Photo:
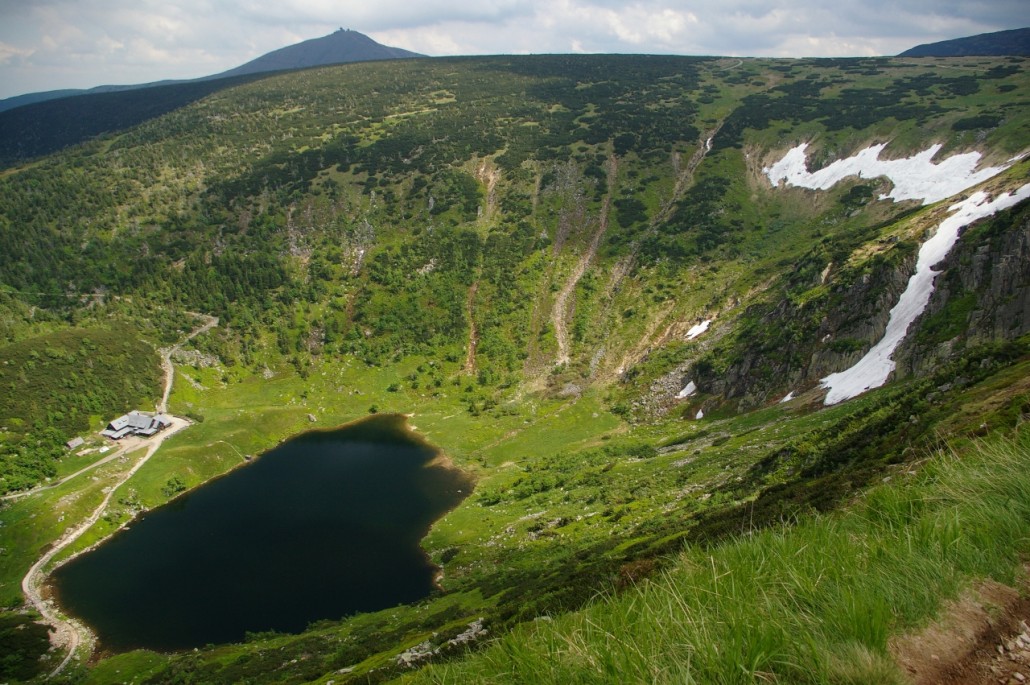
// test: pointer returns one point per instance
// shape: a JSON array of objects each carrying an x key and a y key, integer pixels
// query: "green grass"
[
  {"x": 568, "y": 497},
  {"x": 76, "y": 460},
  {"x": 127, "y": 669},
  {"x": 812, "y": 603}
]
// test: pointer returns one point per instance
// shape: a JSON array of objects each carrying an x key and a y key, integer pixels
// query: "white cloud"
[
  {"x": 109, "y": 45},
  {"x": 430, "y": 41},
  {"x": 10, "y": 53}
]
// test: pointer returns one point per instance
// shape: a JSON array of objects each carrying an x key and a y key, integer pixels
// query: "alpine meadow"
[{"x": 728, "y": 358}]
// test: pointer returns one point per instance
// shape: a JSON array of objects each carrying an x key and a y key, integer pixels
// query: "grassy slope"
[
  {"x": 30, "y": 525},
  {"x": 814, "y": 603}
]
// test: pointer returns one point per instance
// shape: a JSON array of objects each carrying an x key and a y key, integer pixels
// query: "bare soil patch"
[{"x": 982, "y": 637}]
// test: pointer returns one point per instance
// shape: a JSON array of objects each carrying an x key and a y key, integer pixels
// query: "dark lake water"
[{"x": 325, "y": 525}]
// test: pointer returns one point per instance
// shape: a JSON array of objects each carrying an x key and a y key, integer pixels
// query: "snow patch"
[
  {"x": 698, "y": 329},
  {"x": 700, "y": 414},
  {"x": 914, "y": 178},
  {"x": 788, "y": 397},
  {"x": 873, "y": 369},
  {"x": 688, "y": 390}
]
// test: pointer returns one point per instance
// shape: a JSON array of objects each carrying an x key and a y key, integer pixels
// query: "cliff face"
[
  {"x": 788, "y": 345},
  {"x": 982, "y": 294}
]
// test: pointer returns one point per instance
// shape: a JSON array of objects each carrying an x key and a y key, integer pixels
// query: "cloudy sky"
[{"x": 50, "y": 44}]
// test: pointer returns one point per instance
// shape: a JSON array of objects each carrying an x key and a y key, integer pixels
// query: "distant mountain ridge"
[
  {"x": 341, "y": 46},
  {"x": 1015, "y": 42}
]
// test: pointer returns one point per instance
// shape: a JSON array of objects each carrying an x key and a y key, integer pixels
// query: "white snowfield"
[
  {"x": 698, "y": 329},
  {"x": 914, "y": 178},
  {"x": 688, "y": 390},
  {"x": 873, "y": 369}
]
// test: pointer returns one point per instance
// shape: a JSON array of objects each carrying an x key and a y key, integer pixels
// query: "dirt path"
[
  {"x": 166, "y": 357},
  {"x": 981, "y": 637},
  {"x": 560, "y": 311},
  {"x": 70, "y": 634},
  {"x": 488, "y": 174},
  {"x": 129, "y": 444}
]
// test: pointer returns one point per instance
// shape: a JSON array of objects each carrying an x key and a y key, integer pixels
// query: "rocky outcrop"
[
  {"x": 982, "y": 294},
  {"x": 794, "y": 342}
]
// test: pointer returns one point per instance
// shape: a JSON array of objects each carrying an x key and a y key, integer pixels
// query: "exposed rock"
[
  {"x": 989, "y": 269},
  {"x": 474, "y": 631},
  {"x": 424, "y": 651},
  {"x": 417, "y": 654},
  {"x": 570, "y": 390},
  {"x": 826, "y": 335},
  {"x": 992, "y": 264},
  {"x": 194, "y": 358}
]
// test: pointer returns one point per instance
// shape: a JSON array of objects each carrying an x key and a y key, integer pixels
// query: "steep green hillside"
[
  {"x": 575, "y": 274},
  {"x": 817, "y": 603}
]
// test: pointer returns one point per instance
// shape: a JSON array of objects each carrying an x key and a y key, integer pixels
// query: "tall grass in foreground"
[{"x": 812, "y": 603}]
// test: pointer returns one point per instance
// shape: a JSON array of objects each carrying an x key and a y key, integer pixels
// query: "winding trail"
[
  {"x": 127, "y": 445},
  {"x": 69, "y": 634},
  {"x": 166, "y": 357},
  {"x": 560, "y": 313}
]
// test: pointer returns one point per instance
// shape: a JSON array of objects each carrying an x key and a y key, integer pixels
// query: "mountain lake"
[{"x": 325, "y": 525}]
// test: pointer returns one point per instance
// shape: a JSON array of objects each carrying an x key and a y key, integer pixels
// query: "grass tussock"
[{"x": 816, "y": 602}]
